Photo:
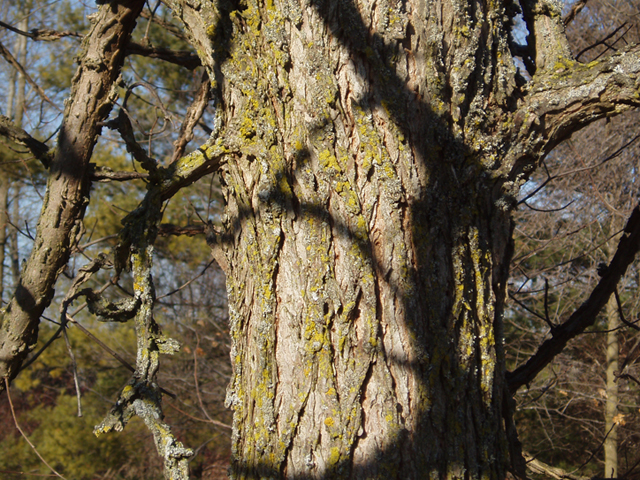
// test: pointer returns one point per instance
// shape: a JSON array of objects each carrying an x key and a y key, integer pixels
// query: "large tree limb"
[
  {"x": 91, "y": 100},
  {"x": 564, "y": 100},
  {"x": 585, "y": 316},
  {"x": 575, "y": 94}
]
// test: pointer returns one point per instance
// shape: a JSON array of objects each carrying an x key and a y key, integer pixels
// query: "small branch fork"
[
  {"x": 134, "y": 252},
  {"x": 142, "y": 395}
]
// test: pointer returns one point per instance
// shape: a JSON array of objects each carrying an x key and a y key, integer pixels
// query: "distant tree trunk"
[
  {"x": 4, "y": 197},
  {"x": 612, "y": 356},
  {"x": 15, "y": 110},
  {"x": 611, "y": 404},
  {"x": 14, "y": 245},
  {"x": 18, "y": 120}
]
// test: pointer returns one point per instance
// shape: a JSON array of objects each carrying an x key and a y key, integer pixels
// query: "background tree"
[{"x": 197, "y": 412}]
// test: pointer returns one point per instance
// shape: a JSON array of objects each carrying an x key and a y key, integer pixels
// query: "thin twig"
[
  {"x": 10, "y": 58},
  {"x": 35, "y": 356},
  {"x": 621, "y": 313},
  {"x": 597, "y": 449},
  {"x": 101, "y": 344},
  {"x": 552, "y": 327},
  {"x": 189, "y": 282},
  {"x": 585, "y": 50},
  {"x": 215, "y": 422},
  {"x": 195, "y": 377},
  {"x": 111, "y": 352},
  {"x": 74, "y": 368},
  {"x": 15, "y": 420}
]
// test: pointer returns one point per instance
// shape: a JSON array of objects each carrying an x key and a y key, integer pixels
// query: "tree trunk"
[
  {"x": 612, "y": 355},
  {"x": 376, "y": 149},
  {"x": 368, "y": 239}
]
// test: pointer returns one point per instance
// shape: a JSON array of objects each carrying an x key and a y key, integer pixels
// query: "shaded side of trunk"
[{"x": 368, "y": 237}]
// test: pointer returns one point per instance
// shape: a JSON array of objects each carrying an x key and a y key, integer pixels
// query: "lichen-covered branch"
[
  {"x": 547, "y": 41},
  {"x": 134, "y": 252},
  {"x": 142, "y": 395},
  {"x": 563, "y": 100}
]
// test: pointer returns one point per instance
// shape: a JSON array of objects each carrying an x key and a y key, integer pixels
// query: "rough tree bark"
[
  {"x": 368, "y": 222},
  {"x": 370, "y": 154}
]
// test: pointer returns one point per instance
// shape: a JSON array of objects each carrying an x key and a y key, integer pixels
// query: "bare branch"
[
  {"x": 168, "y": 26},
  {"x": 106, "y": 174},
  {"x": 19, "y": 136},
  {"x": 183, "y": 58},
  {"x": 575, "y": 10},
  {"x": 603, "y": 41},
  {"x": 541, "y": 468},
  {"x": 194, "y": 114},
  {"x": 166, "y": 229},
  {"x": 11, "y": 59},
  {"x": 586, "y": 315},
  {"x": 133, "y": 147},
  {"x": 42, "y": 34}
]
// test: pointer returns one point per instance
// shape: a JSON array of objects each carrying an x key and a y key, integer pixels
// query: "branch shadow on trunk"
[{"x": 449, "y": 301}]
